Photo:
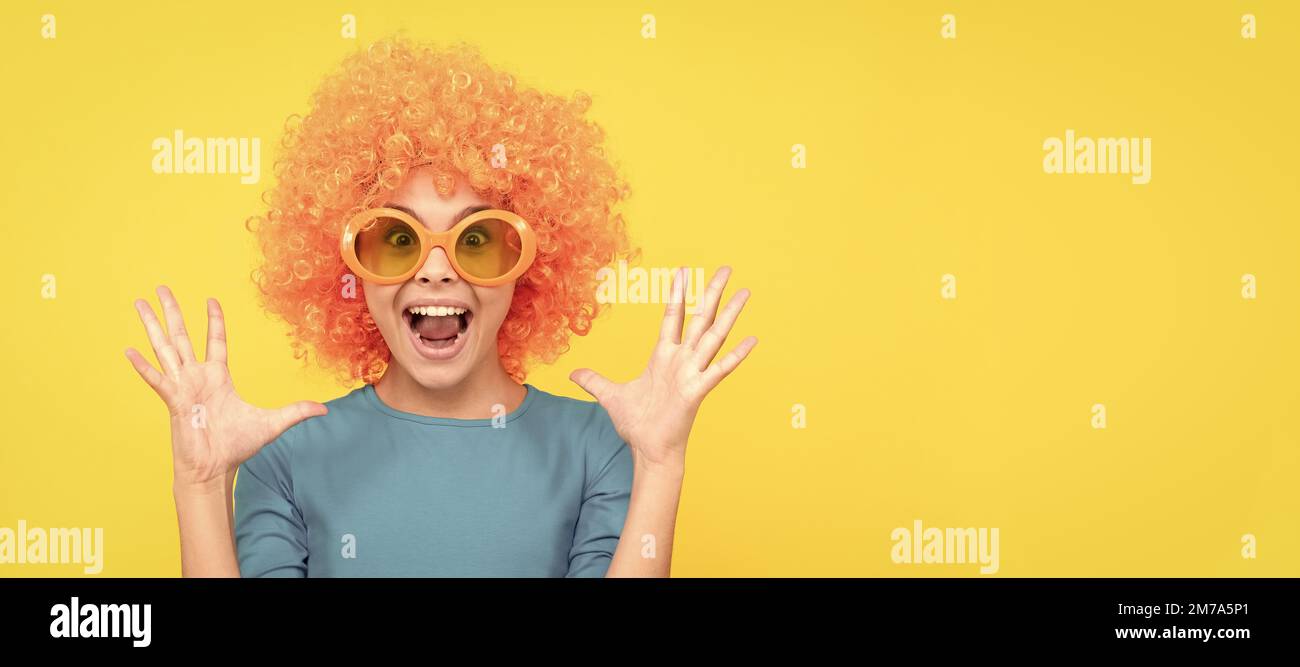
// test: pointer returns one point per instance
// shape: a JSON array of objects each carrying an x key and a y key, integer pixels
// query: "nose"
[{"x": 437, "y": 269}]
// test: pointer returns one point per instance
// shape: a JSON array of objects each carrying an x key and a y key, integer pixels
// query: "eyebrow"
[{"x": 469, "y": 210}]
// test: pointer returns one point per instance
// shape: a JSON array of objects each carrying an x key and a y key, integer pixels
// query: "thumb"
[
  {"x": 280, "y": 420},
  {"x": 593, "y": 383}
]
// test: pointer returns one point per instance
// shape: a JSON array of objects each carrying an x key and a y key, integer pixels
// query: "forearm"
[
  {"x": 206, "y": 528},
  {"x": 645, "y": 548}
]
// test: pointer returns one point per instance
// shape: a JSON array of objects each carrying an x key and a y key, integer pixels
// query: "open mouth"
[{"x": 438, "y": 331}]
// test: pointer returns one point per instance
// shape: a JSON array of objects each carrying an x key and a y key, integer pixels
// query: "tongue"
[{"x": 435, "y": 328}]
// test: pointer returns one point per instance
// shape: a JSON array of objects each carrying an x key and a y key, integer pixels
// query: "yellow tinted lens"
[
  {"x": 488, "y": 248},
  {"x": 388, "y": 247}
]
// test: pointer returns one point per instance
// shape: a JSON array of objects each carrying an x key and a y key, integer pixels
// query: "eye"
[
  {"x": 399, "y": 238},
  {"x": 475, "y": 237}
]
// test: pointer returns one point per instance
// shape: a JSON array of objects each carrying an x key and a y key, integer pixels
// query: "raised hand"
[
  {"x": 655, "y": 411},
  {"x": 213, "y": 429}
]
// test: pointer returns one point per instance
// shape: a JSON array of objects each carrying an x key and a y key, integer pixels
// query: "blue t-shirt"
[{"x": 369, "y": 491}]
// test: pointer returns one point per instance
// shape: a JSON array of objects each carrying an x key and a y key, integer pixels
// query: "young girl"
[{"x": 434, "y": 230}]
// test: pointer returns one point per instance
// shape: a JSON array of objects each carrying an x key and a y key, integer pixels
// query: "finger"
[
  {"x": 713, "y": 339},
  {"x": 703, "y": 318},
  {"x": 279, "y": 421},
  {"x": 162, "y": 349},
  {"x": 723, "y": 367},
  {"x": 592, "y": 382},
  {"x": 675, "y": 311},
  {"x": 216, "y": 332},
  {"x": 146, "y": 370},
  {"x": 176, "y": 325}
]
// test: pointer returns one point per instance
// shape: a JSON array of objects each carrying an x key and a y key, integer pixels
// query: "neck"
[{"x": 472, "y": 398}]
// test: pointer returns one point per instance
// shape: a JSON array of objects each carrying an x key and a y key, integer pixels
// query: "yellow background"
[{"x": 924, "y": 158}]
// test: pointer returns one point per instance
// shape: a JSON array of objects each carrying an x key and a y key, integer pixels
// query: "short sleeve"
[
  {"x": 604, "y": 503},
  {"x": 270, "y": 533}
]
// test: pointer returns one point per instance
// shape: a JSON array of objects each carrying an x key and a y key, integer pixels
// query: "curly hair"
[{"x": 398, "y": 106}]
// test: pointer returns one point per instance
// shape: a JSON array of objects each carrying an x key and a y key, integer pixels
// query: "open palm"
[
  {"x": 213, "y": 429},
  {"x": 654, "y": 412}
]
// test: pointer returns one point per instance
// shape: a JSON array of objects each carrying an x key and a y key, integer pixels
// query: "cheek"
[
  {"x": 380, "y": 300},
  {"x": 494, "y": 302}
]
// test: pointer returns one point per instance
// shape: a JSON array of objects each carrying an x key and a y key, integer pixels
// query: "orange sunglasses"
[{"x": 487, "y": 248}]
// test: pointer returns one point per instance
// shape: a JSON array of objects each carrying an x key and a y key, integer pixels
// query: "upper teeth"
[{"x": 436, "y": 311}]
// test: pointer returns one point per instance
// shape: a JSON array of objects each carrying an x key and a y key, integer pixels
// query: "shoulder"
[
  {"x": 586, "y": 419},
  {"x": 586, "y": 424},
  {"x": 347, "y": 413},
  {"x": 273, "y": 464},
  {"x": 556, "y": 405}
]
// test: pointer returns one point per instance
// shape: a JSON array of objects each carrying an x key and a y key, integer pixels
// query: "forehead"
[{"x": 438, "y": 213}]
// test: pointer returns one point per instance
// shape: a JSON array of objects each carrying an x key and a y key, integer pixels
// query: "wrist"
[
  {"x": 671, "y": 467},
  {"x": 186, "y": 487}
]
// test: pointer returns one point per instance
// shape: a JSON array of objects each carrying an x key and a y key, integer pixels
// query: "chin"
[
  {"x": 439, "y": 373},
  {"x": 439, "y": 379}
]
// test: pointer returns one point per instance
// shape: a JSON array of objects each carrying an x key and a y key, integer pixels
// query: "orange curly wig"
[{"x": 398, "y": 106}]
